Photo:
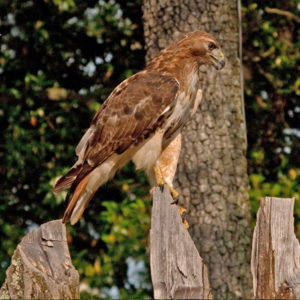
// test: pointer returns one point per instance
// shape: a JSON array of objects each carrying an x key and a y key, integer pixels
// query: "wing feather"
[{"x": 81, "y": 145}]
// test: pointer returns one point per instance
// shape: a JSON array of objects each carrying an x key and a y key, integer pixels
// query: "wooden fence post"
[
  {"x": 41, "y": 266},
  {"x": 177, "y": 270},
  {"x": 275, "y": 262}
]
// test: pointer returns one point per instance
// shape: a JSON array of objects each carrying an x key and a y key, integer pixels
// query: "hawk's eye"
[{"x": 212, "y": 46}]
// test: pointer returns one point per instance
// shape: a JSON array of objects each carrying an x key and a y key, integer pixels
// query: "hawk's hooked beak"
[{"x": 218, "y": 60}]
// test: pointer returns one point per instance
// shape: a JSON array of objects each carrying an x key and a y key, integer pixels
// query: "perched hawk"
[{"x": 139, "y": 119}]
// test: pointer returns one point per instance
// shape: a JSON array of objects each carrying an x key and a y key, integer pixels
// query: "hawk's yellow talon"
[
  {"x": 182, "y": 212},
  {"x": 173, "y": 192}
]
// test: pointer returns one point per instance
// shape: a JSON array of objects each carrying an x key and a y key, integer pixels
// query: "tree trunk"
[{"x": 212, "y": 173}]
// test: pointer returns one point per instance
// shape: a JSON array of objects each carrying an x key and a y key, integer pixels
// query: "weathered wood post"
[
  {"x": 177, "y": 270},
  {"x": 41, "y": 266},
  {"x": 275, "y": 262}
]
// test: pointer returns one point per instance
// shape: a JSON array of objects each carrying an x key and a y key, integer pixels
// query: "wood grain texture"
[
  {"x": 275, "y": 262},
  {"x": 177, "y": 270},
  {"x": 41, "y": 266}
]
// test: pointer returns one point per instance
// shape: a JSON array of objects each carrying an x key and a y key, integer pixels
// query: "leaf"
[
  {"x": 56, "y": 93},
  {"x": 89, "y": 271},
  {"x": 33, "y": 121},
  {"x": 97, "y": 265},
  {"x": 38, "y": 24},
  {"x": 293, "y": 174}
]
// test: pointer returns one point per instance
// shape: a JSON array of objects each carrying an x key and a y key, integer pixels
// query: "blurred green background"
[{"x": 59, "y": 60}]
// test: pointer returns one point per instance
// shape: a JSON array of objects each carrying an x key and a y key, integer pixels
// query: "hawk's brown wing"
[{"x": 132, "y": 112}]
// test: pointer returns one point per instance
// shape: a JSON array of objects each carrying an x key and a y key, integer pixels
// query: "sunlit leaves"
[
  {"x": 57, "y": 93},
  {"x": 65, "y": 5}
]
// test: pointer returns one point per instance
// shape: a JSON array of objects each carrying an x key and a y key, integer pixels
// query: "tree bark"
[
  {"x": 212, "y": 173},
  {"x": 41, "y": 266},
  {"x": 275, "y": 262},
  {"x": 177, "y": 270}
]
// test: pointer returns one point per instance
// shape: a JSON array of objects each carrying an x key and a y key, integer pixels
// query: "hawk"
[{"x": 139, "y": 119}]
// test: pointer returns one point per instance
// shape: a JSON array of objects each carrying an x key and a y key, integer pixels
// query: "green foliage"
[
  {"x": 285, "y": 186},
  {"x": 272, "y": 59}
]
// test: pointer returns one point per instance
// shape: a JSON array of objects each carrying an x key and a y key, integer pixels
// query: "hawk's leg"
[{"x": 160, "y": 180}]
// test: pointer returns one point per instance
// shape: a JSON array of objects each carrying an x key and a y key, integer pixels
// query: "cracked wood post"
[
  {"x": 177, "y": 270},
  {"x": 41, "y": 266},
  {"x": 275, "y": 262}
]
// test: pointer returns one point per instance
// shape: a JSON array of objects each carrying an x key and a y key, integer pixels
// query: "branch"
[{"x": 281, "y": 12}]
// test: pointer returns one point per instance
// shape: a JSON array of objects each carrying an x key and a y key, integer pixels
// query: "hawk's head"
[
  {"x": 194, "y": 49},
  {"x": 202, "y": 47},
  {"x": 186, "y": 55}
]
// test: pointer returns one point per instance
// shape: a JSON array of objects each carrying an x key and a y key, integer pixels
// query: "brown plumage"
[{"x": 140, "y": 118}]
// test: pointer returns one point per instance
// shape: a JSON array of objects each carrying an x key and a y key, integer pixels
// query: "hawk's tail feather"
[
  {"x": 67, "y": 180},
  {"x": 84, "y": 186},
  {"x": 80, "y": 198}
]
